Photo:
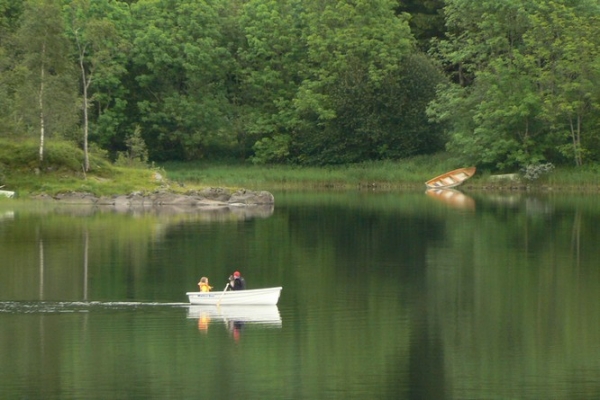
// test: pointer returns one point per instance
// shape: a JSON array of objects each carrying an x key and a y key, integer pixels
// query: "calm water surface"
[{"x": 385, "y": 296}]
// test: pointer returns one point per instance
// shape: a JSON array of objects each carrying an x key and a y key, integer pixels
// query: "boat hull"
[
  {"x": 451, "y": 179},
  {"x": 267, "y": 296}
]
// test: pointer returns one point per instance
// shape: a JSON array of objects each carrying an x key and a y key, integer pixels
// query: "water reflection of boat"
[
  {"x": 452, "y": 197},
  {"x": 259, "y": 315},
  {"x": 7, "y": 215}
]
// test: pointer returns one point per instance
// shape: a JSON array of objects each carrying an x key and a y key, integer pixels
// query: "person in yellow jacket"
[{"x": 203, "y": 285}]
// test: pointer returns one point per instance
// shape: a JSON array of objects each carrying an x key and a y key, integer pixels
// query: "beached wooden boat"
[
  {"x": 260, "y": 315},
  {"x": 266, "y": 296},
  {"x": 451, "y": 179}
]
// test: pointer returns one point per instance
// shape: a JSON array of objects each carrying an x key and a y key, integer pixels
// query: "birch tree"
[{"x": 47, "y": 89}]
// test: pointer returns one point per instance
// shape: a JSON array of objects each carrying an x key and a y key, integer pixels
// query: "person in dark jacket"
[{"x": 236, "y": 282}]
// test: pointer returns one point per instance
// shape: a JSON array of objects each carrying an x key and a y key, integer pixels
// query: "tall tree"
[
  {"x": 272, "y": 60},
  {"x": 47, "y": 85},
  {"x": 182, "y": 66},
  {"x": 10, "y": 16},
  {"x": 564, "y": 41},
  {"x": 354, "y": 49},
  {"x": 101, "y": 47}
]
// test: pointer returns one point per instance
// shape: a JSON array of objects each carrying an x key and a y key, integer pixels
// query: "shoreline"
[{"x": 210, "y": 198}]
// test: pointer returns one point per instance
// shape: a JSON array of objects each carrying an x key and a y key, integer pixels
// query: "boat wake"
[{"x": 29, "y": 307}]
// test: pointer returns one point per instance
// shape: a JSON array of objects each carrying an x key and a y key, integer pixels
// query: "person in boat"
[
  {"x": 236, "y": 282},
  {"x": 203, "y": 285}
]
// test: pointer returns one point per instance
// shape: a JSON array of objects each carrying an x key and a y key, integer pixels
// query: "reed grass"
[
  {"x": 584, "y": 177},
  {"x": 380, "y": 174}
]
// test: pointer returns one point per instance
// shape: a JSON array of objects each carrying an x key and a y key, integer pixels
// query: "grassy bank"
[
  {"x": 62, "y": 171},
  {"x": 384, "y": 174}
]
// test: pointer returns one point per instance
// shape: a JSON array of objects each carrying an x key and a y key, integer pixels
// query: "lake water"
[{"x": 385, "y": 296}]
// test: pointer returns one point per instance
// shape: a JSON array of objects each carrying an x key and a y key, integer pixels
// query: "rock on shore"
[{"x": 210, "y": 197}]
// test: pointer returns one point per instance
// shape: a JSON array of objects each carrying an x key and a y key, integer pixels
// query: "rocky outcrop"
[
  {"x": 210, "y": 197},
  {"x": 246, "y": 197}
]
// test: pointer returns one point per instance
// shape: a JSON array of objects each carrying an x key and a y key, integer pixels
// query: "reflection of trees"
[
  {"x": 576, "y": 237},
  {"x": 464, "y": 304},
  {"x": 86, "y": 247},
  {"x": 344, "y": 252},
  {"x": 358, "y": 238},
  {"x": 41, "y": 253},
  {"x": 118, "y": 249},
  {"x": 514, "y": 294}
]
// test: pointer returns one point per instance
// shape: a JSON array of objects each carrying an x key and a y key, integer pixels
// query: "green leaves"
[
  {"x": 531, "y": 68},
  {"x": 182, "y": 66},
  {"x": 355, "y": 54},
  {"x": 272, "y": 61},
  {"x": 39, "y": 74}
]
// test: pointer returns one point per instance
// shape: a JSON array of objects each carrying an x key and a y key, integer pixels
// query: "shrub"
[
  {"x": 273, "y": 150},
  {"x": 137, "y": 152},
  {"x": 533, "y": 172}
]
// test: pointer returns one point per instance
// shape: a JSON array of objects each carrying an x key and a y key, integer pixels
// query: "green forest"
[{"x": 497, "y": 84}]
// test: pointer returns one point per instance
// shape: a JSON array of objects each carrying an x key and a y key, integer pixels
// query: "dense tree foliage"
[
  {"x": 182, "y": 65},
  {"x": 354, "y": 56},
  {"x": 306, "y": 81},
  {"x": 525, "y": 86}
]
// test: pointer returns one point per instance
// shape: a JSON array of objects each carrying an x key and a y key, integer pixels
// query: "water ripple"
[{"x": 34, "y": 307}]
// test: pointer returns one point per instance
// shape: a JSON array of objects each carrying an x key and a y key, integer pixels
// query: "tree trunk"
[
  {"x": 86, "y": 83},
  {"x": 576, "y": 138},
  {"x": 41, "y": 104},
  {"x": 578, "y": 155}
]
